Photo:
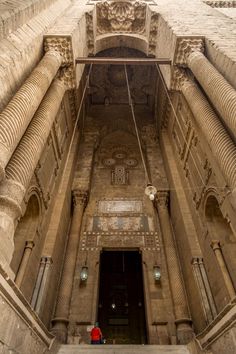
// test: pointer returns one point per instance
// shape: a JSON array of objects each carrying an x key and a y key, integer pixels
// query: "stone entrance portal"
[{"x": 121, "y": 311}]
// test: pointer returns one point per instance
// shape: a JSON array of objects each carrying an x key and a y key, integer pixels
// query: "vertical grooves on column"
[
  {"x": 24, "y": 160},
  {"x": 18, "y": 113},
  {"x": 220, "y": 142},
  {"x": 219, "y": 91}
]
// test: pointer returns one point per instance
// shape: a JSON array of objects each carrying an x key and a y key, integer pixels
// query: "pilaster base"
[
  {"x": 184, "y": 330},
  {"x": 59, "y": 329}
]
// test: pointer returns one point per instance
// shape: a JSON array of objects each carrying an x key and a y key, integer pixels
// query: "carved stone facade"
[
  {"x": 71, "y": 192},
  {"x": 121, "y": 16}
]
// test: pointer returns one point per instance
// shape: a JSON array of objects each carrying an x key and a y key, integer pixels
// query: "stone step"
[{"x": 123, "y": 349}]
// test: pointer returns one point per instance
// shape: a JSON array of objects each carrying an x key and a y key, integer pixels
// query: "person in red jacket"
[{"x": 96, "y": 334}]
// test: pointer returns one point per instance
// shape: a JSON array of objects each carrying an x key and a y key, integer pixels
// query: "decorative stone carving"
[
  {"x": 120, "y": 206},
  {"x": 90, "y": 32},
  {"x": 63, "y": 45},
  {"x": 153, "y": 34},
  {"x": 80, "y": 197},
  {"x": 121, "y": 16},
  {"x": 162, "y": 198},
  {"x": 119, "y": 175},
  {"x": 185, "y": 46},
  {"x": 221, "y": 4}
]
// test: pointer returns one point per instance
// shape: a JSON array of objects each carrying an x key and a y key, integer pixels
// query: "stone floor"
[{"x": 123, "y": 349}]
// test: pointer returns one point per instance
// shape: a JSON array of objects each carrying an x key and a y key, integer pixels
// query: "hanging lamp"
[{"x": 150, "y": 190}]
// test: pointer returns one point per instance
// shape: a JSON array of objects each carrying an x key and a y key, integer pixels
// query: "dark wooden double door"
[{"x": 121, "y": 312}]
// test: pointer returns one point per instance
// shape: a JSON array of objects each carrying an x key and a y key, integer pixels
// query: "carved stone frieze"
[
  {"x": 93, "y": 240},
  {"x": 153, "y": 34},
  {"x": 63, "y": 45},
  {"x": 184, "y": 46},
  {"x": 121, "y": 16},
  {"x": 90, "y": 32},
  {"x": 178, "y": 77},
  {"x": 221, "y": 4}
]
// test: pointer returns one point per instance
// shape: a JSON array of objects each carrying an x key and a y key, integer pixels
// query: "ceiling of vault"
[{"x": 108, "y": 82}]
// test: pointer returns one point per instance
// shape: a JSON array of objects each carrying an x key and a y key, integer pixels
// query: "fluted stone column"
[
  {"x": 21, "y": 167},
  {"x": 23, "y": 265},
  {"x": 24, "y": 160},
  {"x": 220, "y": 92},
  {"x": 61, "y": 319},
  {"x": 217, "y": 137},
  {"x": 182, "y": 320},
  {"x": 228, "y": 282},
  {"x": 17, "y": 115}
]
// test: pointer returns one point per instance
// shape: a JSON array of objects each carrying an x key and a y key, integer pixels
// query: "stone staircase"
[{"x": 123, "y": 349}]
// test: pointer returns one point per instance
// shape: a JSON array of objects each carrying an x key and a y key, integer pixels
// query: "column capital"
[
  {"x": 197, "y": 260},
  {"x": 63, "y": 46},
  {"x": 80, "y": 197},
  {"x": 186, "y": 46},
  {"x": 29, "y": 244},
  {"x": 215, "y": 245},
  {"x": 162, "y": 198}
]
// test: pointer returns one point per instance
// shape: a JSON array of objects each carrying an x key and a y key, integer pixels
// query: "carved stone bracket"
[
  {"x": 63, "y": 45},
  {"x": 80, "y": 197},
  {"x": 184, "y": 46}
]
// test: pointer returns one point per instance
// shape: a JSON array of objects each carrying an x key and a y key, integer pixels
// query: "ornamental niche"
[{"x": 121, "y": 16}]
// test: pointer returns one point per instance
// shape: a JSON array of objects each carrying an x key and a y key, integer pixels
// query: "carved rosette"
[
  {"x": 63, "y": 45},
  {"x": 184, "y": 46},
  {"x": 80, "y": 198},
  {"x": 121, "y": 16}
]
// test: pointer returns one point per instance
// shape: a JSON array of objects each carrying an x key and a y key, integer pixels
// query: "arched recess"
[
  {"x": 133, "y": 41},
  {"x": 219, "y": 230},
  {"x": 26, "y": 258}
]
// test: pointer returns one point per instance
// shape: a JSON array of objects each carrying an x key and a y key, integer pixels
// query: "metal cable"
[
  {"x": 135, "y": 125},
  {"x": 76, "y": 122}
]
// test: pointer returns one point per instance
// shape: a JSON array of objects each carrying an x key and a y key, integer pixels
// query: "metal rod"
[{"x": 122, "y": 61}]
